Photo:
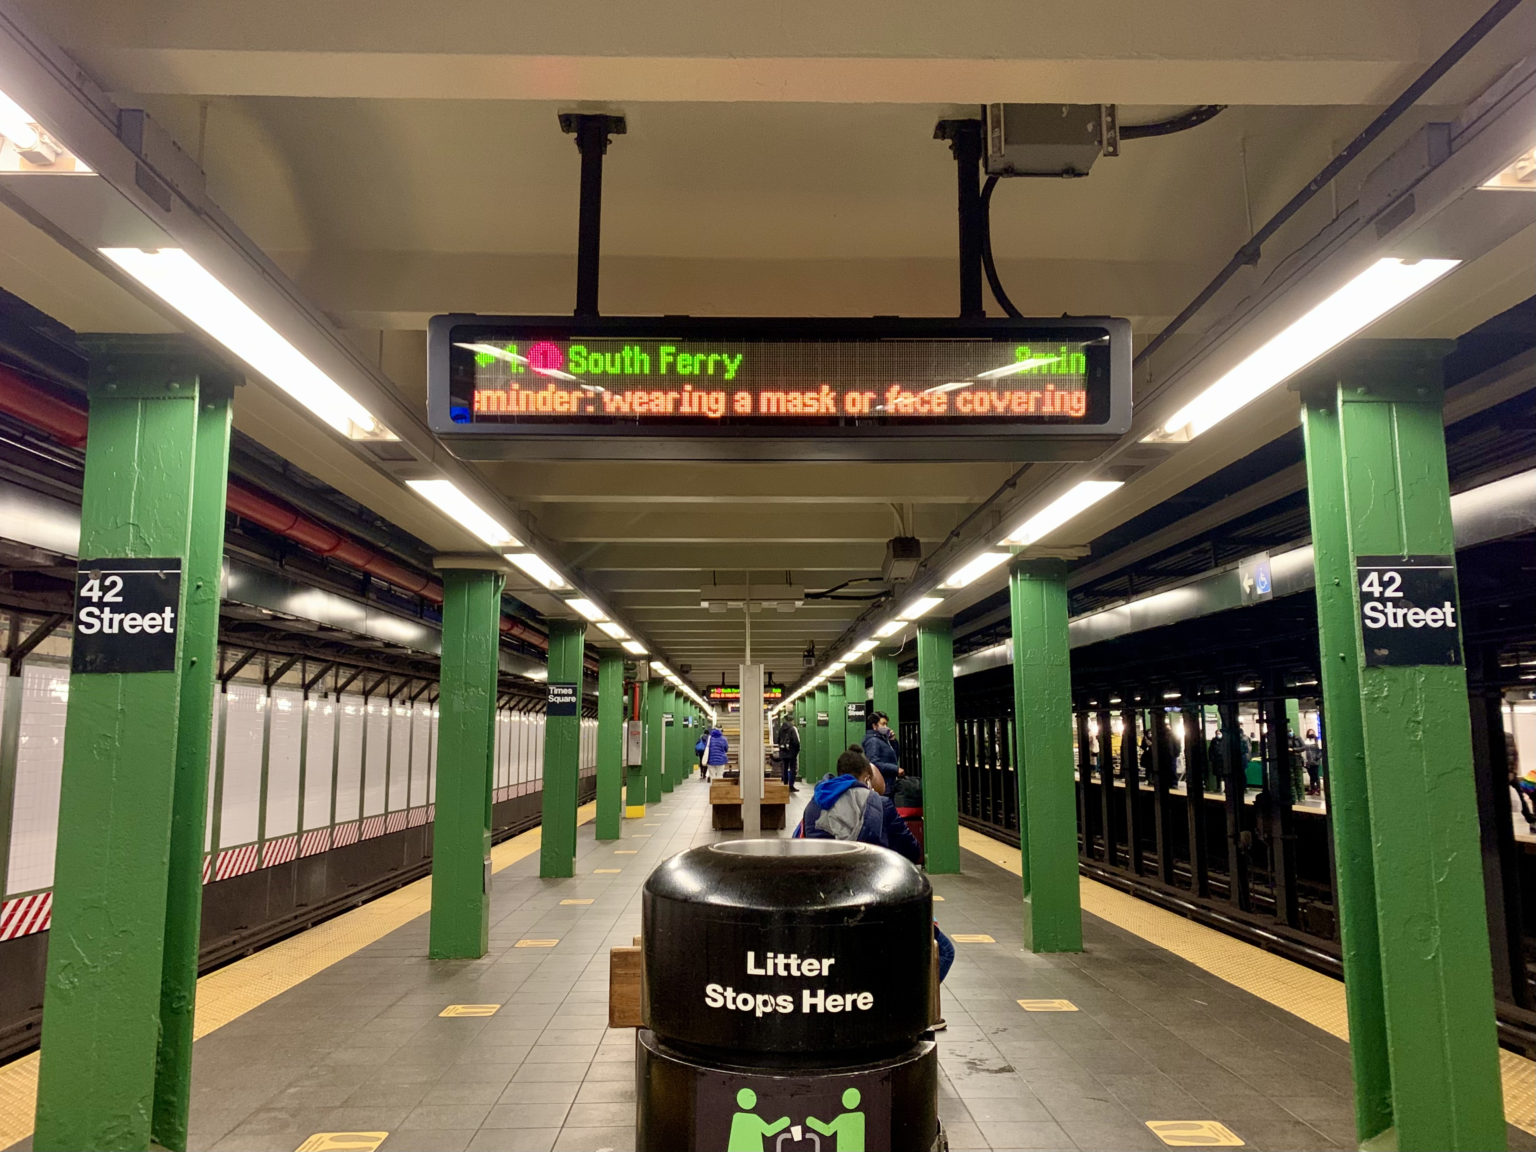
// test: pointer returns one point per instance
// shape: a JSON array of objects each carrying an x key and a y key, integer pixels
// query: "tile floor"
[{"x": 362, "y": 1046}]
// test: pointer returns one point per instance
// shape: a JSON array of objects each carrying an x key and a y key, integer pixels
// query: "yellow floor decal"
[
  {"x": 235, "y": 989},
  {"x": 456, "y": 1010},
  {"x": 344, "y": 1142},
  {"x": 587, "y": 901},
  {"x": 1047, "y": 1005},
  {"x": 1195, "y": 1134},
  {"x": 1309, "y": 995},
  {"x": 972, "y": 938}
]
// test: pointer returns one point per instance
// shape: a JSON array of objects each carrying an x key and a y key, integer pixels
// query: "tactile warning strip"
[
  {"x": 1309, "y": 995},
  {"x": 235, "y": 989}
]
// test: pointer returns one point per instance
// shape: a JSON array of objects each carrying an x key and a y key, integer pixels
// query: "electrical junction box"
[
  {"x": 1049, "y": 139},
  {"x": 902, "y": 556}
]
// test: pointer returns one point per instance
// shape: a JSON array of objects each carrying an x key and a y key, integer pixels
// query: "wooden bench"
[{"x": 725, "y": 804}]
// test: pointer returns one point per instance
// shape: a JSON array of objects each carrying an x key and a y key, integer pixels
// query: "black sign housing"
[
  {"x": 127, "y": 615},
  {"x": 563, "y": 700},
  {"x": 1408, "y": 610}
]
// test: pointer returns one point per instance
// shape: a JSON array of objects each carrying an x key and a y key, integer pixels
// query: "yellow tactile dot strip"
[
  {"x": 1309, "y": 995},
  {"x": 235, "y": 989}
]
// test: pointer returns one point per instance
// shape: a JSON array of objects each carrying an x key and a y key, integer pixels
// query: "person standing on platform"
[
  {"x": 716, "y": 752},
  {"x": 1312, "y": 759},
  {"x": 882, "y": 750},
  {"x": 788, "y": 740}
]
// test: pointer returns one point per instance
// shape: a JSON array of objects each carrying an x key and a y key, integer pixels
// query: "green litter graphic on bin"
[
  {"x": 748, "y": 1128},
  {"x": 786, "y": 1114},
  {"x": 848, "y": 1128}
]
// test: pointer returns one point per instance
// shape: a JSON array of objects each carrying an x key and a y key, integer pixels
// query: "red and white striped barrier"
[
  {"x": 236, "y": 862},
  {"x": 418, "y": 816},
  {"x": 396, "y": 821},
  {"x": 345, "y": 834},
  {"x": 431, "y": 812},
  {"x": 279, "y": 851},
  {"x": 24, "y": 915},
  {"x": 315, "y": 841},
  {"x": 207, "y": 869},
  {"x": 372, "y": 826}
]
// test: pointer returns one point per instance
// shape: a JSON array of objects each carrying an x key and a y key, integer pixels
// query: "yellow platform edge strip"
[
  {"x": 232, "y": 991},
  {"x": 1308, "y": 995}
]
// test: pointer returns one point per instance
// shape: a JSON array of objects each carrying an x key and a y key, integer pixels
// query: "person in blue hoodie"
[{"x": 852, "y": 806}]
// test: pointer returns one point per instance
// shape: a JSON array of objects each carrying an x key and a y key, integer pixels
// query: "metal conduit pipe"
[{"x": 67, "y": 424}]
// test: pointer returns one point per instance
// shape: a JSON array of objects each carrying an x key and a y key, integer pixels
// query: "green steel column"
[
  {"x": 668, "y": 745},
  {"x": 113, "y": 873},
  {"x": 853, "y": 693},
  {"x": 1418, "y": 976},
  {"x": 936, "y": 714},
  {"x": 610, "y": 746},
  {"x": 823, "y": 735},
  {"x": 653, "y": 739},
  {"x": 194, "y": 733},
  {"x": 836, "y": 745},
  {"x": 461, "y": 828},
  {"x": 562, "y": 753},
  {"x": 1042, "y": 708},
  {"x": 887, "y": 693}
]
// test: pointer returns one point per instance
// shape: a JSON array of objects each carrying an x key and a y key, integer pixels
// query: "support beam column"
[
  {"x": 836, "y": 724},
  {"x": 610, "y": 745},
  {"x": 466, "y": 743},
  {"x": 854, "y": 694},
  {"x": 1417, "y": 966},
  {"x": 651, "y": 757},
  {"x": 1042, "y": 708},
  {"x": 668, "y": 751},
  {"x": 823, "y": 733},
  {"x": 936, "y": 714},
  {"x": 121, "y": 975},
  {"x": 562, "y": 748},
  {"x": 887, "y": 693}
]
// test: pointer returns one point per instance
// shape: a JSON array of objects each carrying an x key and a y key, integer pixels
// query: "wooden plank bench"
[{"x": 725, "y": 804}]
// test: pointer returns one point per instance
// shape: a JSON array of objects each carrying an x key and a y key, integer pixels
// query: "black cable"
[
  {"x": 994, "y": 281},
  {"x": 1180, "y": 123},
  {"x": 1249, "y": 253}
]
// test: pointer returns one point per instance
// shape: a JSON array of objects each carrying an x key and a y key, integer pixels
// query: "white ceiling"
[{"x": 399, "y": 160}]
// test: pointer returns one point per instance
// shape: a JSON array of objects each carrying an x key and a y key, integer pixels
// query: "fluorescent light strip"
[
  {"x": 587, "y": 608},
  {"x": 538, "y": 568},
  {"x": 975, "y": 570},
  {"x": 444, "y": 495},
  {"x": 17, "y": 125},
  {"x": 863, "y": 646},
  {"x": 615, "y": 631},
  {"x": 921, "y": 606},
  {"x": 634, "y": 647},
  {"x": 1080, "y": 497},
  {"x": 890, "y": 628},
  {"x": 189, "y": 288},
  {"x": 1365, "y": 299}
]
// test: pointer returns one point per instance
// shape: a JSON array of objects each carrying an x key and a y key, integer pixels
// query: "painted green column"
[
  {"x": 120, "y": 849},
  {"x": 1042, "y": 708},
  {"x": 854, "y": 693},
  {"x": 823, "y": 734},
  {"x": 936, "y": 714},
  {"x": 668, "y": 745},
  {"x": 1417, "y": 967},
  {"x": 886, "y": 692},
  {"x": 461, "y": 827},
  {"x": 199, "y": 659},
  {"x": 562, "y": 752},
  {"x": 836, "y": 745},
  {"x": 610, "y": 746},
  {"x": 653, "y": 708}
]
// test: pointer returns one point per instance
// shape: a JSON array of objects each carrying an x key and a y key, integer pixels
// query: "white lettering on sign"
[
  {"x": 94, "y": 620},
  {"x": 817, "y": 1000},
  {"x": 1379, "y": 615}
]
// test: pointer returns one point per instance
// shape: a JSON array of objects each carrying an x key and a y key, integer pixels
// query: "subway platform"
[{"x": 349, "y": 1029}]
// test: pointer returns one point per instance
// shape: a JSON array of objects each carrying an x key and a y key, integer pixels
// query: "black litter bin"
[{"x": 785, "y": 991}]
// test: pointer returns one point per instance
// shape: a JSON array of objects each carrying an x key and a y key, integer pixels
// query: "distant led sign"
[
  {"x": 730, "y": 695},
  {"x": 844, "y": 384}
]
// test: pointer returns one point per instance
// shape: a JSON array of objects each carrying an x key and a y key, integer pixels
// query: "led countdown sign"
[{"x": 819, "y": 388}]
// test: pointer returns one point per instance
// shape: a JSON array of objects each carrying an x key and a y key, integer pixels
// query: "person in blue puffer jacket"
[
  {"x": 852, "y": 806},
  {"x": 716, "y": 751}
]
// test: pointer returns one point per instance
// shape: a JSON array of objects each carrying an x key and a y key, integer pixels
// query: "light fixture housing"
[
  {"x": 1365, "y": 299},
  {"x": 1075, "y": 500},
  {"x": 633, "y": 647},
  {"x": 920, "y": 607},
  {"x": 975, "y": 569},
  {"x": 890, "y": 628},
  {"x": 587, "y": 608},
  {"x": 445, "y": 496},
  {"x": 539, "y": 569},
  {"x": 612, "y": 630},
  {"x": 174, "y": 276}
]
